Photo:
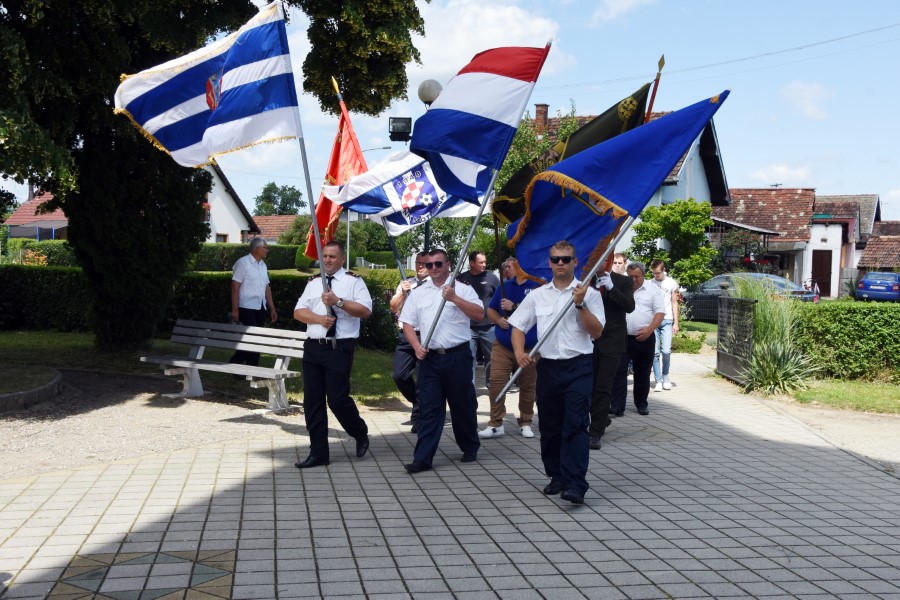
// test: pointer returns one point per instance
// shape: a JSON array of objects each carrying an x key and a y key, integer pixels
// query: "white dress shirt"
[
  {"x": 348, "y": 287},
  {"x": 453, "y": 327},
  {"x": 253, "y": 276},
  {"x": 668, "y": 287},
  {"x": 648, "y": 301},
  {"x": 569, "y": 338}
]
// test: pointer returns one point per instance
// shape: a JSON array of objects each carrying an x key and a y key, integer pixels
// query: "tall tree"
[
  {"x": 278, "y": 200},
  {"x": 135, "y": 216},
  {"x": 365, "y": 45}
]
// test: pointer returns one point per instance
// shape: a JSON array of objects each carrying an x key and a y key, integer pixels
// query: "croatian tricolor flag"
[
  {"x": 472, "y": 123},
  {"x": 402, "y": 190},
  {"x": 234, "y": 93}
]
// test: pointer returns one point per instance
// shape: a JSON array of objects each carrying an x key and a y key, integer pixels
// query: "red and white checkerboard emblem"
[{"x": 411, "y": 193}]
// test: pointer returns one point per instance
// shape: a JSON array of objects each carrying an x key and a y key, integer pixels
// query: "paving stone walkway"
[{"x": 714, "y": 494}]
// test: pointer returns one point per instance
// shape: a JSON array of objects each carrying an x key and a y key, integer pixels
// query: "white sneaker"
[
  {"x": 527, "y": 432},
  {"x": 491, "y": 432},
  {"x": 667, "y": 385},
  {"x": 659, "y": 387}
]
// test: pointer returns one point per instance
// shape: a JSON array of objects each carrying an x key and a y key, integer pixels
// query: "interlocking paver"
[{"x": 715, "y": 494}]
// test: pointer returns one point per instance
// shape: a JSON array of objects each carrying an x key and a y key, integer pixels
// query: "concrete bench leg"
[
  {"x": 277, "y": 393},
  {"x": 190, "y": 380}
]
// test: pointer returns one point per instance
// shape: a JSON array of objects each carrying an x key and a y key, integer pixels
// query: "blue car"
[{"x": 877, "y": 285}]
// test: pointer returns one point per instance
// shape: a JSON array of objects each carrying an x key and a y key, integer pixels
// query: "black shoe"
[
  {"x": 552, "y": 488},
  {"x": 409, "y": 422},
  {"x": 469, "y": 457},
  {"x": 595, "y": 442},
  {"x": 620, "y": 413},
  {"x": 311, "y": 462},
  {"x": 416, "y": 467},
  {"x": 572, "y": 497},
  {"x": 414, "y": 428},
  {"x": 644, "y": 411},
  {"x": 362, "y": 446}
]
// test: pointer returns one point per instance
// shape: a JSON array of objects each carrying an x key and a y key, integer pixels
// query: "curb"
[{"x": 20, "y": 400}]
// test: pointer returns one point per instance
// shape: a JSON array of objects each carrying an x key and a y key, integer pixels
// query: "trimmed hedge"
[
  {"x": 57, "y": 298},
  {"x": 852, "y": 340},
  {"x": 221, "y": 257},
  {"x": 54, "y": 298},
  {"x": 58, "y": 252}
]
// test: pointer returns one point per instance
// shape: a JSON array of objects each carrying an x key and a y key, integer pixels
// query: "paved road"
[{"x": 715, "y": 494}]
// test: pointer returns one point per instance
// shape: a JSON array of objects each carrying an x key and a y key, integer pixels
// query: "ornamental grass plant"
[{"x": 778, "y": 364}]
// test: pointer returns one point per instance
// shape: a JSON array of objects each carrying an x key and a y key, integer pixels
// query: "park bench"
[{"x": 199, "y": 335}]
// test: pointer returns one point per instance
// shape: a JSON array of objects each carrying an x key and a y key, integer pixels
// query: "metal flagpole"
[
  {"x": 312, "y": 208},
  {"x": 625, "y": 227}
]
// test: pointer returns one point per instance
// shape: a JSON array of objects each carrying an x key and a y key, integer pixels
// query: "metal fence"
[{"x": 735, "y": 339}]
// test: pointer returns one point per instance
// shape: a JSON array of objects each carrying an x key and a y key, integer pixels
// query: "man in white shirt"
[
  {"x": 564, "y": 371},
  {"x": 649, "y": 309},
  {"x": 332, "y": 313},
  {"x": 445, "y": 366},
  {"x": 251, "y": 296},
  {"x": 668, "y": 327},
  {"x": 405, "y": 362}
]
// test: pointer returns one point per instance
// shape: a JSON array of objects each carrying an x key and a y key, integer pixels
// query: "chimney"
[{"x": 540, "y": 118}]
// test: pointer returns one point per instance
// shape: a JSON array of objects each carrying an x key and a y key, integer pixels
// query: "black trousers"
[
  {"x": 641, "y": 356},
  {"x": 252, "y": 318},
  {"x": 326, "y": 375},
  {"x": 605, "y": 368},
  {"x": 404, "y": 371}
]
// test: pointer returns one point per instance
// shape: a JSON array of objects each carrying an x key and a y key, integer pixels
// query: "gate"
[{"x": 734, "y": 348}]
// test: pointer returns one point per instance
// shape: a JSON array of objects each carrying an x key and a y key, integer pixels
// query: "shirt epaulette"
[
  {"x": 464, "y": 283},
  {"x": 351, "y": 273}
]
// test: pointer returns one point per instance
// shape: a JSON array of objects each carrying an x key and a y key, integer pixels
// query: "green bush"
[
  {"x": 58, "y": 252},
  {"x": 383, "y": 257},
  {"x": 778, "y": 366},
  {"x": 57, "y": 298},
  {"x": 687, "y": 343},
  {"x": 54, "y": 298},
  {"x": 221, "y": 257},
  {"x": 301, "y": 260},
  {"x": 852, "y": 340}
]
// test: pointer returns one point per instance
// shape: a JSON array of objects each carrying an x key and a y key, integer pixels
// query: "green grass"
[
  {"x": 371, "y": 381},
  {"x": 864, "y": 396},
  {"x": 697, "y": 326},
  {"x": 15, "y": 378}
]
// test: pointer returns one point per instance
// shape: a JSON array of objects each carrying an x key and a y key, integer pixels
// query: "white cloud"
[
  {"x": 809, "y": 97},
  {"x": 609, "y": 10},
  {"x": 786, "y": 175}
]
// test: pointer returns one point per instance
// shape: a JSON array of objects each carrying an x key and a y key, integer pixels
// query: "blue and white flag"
[
  {"x": 403, "y": 191},
  {"x": 232, "y": 94}
]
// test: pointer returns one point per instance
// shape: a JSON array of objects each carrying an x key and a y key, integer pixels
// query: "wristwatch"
[
  {"x": 340, "y": 303},
  {"x": 579, "y": 306}
]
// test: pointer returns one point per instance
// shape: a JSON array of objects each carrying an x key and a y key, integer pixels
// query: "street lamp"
[{"x": 429, "y": 90}]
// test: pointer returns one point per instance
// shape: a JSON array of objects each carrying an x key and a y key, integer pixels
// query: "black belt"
[
  {"x": 459, "y": 348},
  {"x": 328, "y": 341}
]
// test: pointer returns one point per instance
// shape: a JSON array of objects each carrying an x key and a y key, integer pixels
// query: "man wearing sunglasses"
[
  {"x": 564, "y": 372},
  {"x": 445, "y": 366}
]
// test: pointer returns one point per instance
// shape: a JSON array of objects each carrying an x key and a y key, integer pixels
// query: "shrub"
[
  {"x": 850, "y": 340},
  {"x": 58, "y": 253},
  {"x": 54, "y": 298},
  {"x": 381, "y": 258},
  {"x": 687, "y": 343},
  {"x": 778, "y": 366},
  {"x": 301, "y": 260}
]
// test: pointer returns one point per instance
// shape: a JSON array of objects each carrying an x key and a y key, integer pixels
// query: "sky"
[{"x": 812, "y": 83}]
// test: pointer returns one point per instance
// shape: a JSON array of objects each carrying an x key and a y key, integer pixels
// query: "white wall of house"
[
  {"x": 826, "y": 237},
  {"x": 226, "y": 221}
]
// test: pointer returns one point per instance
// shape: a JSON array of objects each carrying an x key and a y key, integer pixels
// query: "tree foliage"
[
  {"x": 683, "y": 224},
  {"x": 278, "y": 200},
  {"x": 365, "y": 45},
  {"x": 135, "y": 216}
]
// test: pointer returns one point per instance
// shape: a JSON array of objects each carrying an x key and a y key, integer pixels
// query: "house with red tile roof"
[
  {"x": 819, "y": 238},
  {"x": 882, "y": 252},
  {"x": 272, "y": 227},
  {"x": 228, "y": 218}
]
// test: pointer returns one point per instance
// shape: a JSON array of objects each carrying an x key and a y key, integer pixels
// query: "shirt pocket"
[{"x": 543, "y": 311}]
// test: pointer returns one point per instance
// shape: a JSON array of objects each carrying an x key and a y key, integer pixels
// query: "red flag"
[{"x": 346, "y": 161}]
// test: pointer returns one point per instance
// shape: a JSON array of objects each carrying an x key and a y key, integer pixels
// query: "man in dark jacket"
[{"x": 618, "y": 300}]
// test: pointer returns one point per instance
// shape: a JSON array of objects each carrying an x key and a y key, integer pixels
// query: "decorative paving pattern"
[
  {"x": 147, "y": 576},
  {"x": 648, "y": 434}
]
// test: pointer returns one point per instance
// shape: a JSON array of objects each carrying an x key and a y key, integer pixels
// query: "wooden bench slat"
[
  {"x": 211, "y": 365},
  {"x": 239, "y": 337},
  {"x": 264, "y": 349},
  {"x": 204, "y": 325}
]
